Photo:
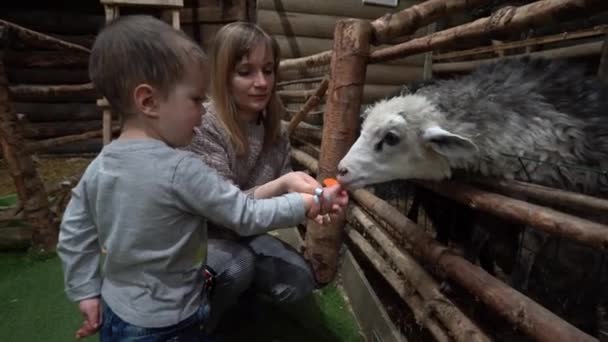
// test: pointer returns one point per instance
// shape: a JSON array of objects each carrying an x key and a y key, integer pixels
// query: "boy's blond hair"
[{"x": 138, "y": 49}]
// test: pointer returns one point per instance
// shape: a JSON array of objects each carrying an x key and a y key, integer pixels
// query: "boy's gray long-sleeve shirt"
[{"x": 143, "y": 203}]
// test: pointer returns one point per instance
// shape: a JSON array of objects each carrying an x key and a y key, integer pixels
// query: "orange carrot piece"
[{"x": 330, "y": 182}]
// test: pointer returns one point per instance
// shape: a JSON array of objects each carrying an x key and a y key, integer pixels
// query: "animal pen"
[
  {"x": 399, "y": 247},
  {"x": 395, "y": 245}
]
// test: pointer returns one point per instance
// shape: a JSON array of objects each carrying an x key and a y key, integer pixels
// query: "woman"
[{"x": 241, "y": 137}]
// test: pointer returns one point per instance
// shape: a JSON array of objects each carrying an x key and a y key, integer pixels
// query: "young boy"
[{"x": 143, "y": 203}]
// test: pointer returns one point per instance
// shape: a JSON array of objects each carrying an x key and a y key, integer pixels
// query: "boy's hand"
[
  {"x": 333, "y": 201},
  {"x": 91, "y": 311}
]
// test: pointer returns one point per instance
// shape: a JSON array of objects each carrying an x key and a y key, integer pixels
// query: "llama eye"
[{"x": 391, "y": 139}]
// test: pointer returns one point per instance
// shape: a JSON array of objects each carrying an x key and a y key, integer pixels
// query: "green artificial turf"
[{"x": 33, "y": 308}]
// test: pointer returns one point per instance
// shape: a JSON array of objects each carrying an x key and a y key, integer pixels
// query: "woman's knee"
[
  {"x": 233, "y": 263},
  {"x": 281, "y": 272}
]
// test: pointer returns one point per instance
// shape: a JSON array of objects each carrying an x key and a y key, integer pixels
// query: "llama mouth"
[{"x": 352, "y": 183}]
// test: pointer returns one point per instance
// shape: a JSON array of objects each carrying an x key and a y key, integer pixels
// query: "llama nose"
[{"x": 342, "y": 171}]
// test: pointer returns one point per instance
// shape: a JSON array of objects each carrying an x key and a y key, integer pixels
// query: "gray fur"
[
  {"x": 547, "y": 111},
  {"x": 542, "y": 110}
]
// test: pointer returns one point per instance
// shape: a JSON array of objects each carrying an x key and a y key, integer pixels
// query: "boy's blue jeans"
[{"x": 114, "y": 329}]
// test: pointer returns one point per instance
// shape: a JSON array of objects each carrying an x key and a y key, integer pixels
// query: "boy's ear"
[{"x": 145, "y": 100}]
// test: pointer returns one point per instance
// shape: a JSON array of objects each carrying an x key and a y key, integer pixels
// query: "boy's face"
[{"x": 182, "y": 110}]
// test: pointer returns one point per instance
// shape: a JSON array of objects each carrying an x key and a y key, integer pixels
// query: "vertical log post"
[
  {"x": 341, "y": 120},
  {"x": 30, "y": 188}
]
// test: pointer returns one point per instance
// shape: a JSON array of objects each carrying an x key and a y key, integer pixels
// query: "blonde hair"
[{"x": 233, "y": 42}]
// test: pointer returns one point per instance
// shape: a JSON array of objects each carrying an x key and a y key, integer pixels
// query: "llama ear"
[{"x": 449, "y": 144}]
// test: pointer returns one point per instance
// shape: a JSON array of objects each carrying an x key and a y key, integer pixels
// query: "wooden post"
[
  {"x": 30, "y": 188},
  {"x": 341, "y": 120},
  {"x": 175, "y": 19},
  {"x": 428, "y": 57},
  {"x": 106, "y": 120}
]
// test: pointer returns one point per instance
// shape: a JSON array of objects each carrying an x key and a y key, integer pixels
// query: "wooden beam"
[
  {"x": 46, "y": 59},
  {"x": 54, "y": 20},
  {"x": 296, "y": 47},
  {"x": 371, "y": 93},
  {"x": 53, "y": 93},
  {"x": 45, "y": 130},
  {"x": 51, "y": 112},
  {"x": 301, "y": 81},
  {"x": 215, "y": 12},
  {"x": 88, "y": 148},
  {"x": 308, "y": 106},
  {"x": 308, "y": 25},
  {"x": 145, "y": 3},
  {"x": 36, "y": 146},
  {"x": 311, "y": 61},
  {"x": 539, "y": 217},
  {"x": 555, "y": 198},
  {"x": 345, "y": 8},
  {"x": 298, "y": 24},
  {"x": 378, "y": 74},
  {"x": 39, "y": 76},
  {"x": 586, "y": 49},
  {"x": 372, "y": 318},
  {"x": 306, "y": 147},
  {"x": 307, "y": 132},
  {"x": 409, "y": 20},
  {"x": 38, "y": 39},
  {"x": 15, "y": 238},
  {"x": 459, "y": 325},
  {"x": 518, "y": 309},
  {"x": 506, "y": 18},
  {"x": 592, "y": 32},
  {"x": 401, "y": 286}
]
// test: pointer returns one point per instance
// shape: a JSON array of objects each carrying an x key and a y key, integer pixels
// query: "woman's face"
[{"x": 252, "y": 82}]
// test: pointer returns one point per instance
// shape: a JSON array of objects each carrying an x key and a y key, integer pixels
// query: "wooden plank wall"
[
  {"x": 79, "y": 21},
  {"x": 304, "y": 28},
  {"x": 44, "y": 115},
  {"x": 201, "y": 19}
]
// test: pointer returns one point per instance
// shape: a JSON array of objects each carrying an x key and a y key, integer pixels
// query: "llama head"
[{"x": 402, "y": 138}]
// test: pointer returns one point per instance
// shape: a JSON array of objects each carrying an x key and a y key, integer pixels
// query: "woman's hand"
[
  {"x": 298, "y": 181},
  {"x": 289, "y": 182}
]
